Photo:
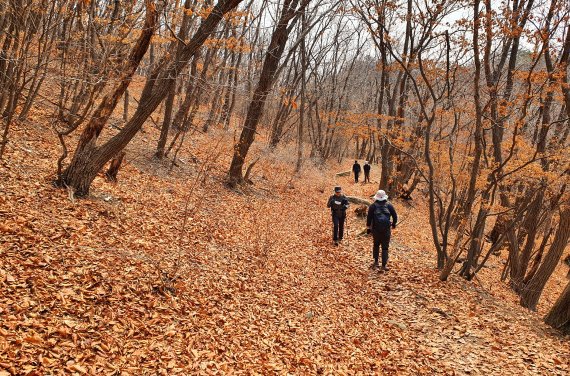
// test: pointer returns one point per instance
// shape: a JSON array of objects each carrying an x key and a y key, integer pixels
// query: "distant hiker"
[
  {"x": 338, "y": 204},
  {"x": 366, "y": 172},
  {"x": 378, "y": 223},
  {"x": 356, "y": 169}
]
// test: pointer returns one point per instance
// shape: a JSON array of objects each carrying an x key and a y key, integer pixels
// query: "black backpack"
[{"x": 381, "y": 216}]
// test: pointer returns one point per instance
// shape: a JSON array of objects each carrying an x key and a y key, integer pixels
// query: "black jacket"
[
  {"x": 372, "y": 208},
  {"x": 356, "y": 168},
  {"x": 338, "y": 205},
  {"x": 366, "y": 168}
]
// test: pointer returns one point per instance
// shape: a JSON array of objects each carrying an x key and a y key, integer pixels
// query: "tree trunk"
[
  {"x": 385, "y": 165},
  {"x": 255, "y": 109},
  {"x": 114, "y": 167},
  {"x": 559, "y": 315},
  {"x": 126, "y": 107},
  {"x": 166, "y": 123},
  {"x": 228, "y": 114},
  {"x": 521, "y": 259},
  {"x": 300, "y": 129},
  {"x": 88, "y": 158},
  {"x": 359, "y": 201},
  {"x": 169, "y": 105},
  {"x": 193, "y": 89},
  {"x": 474, "y": 246},
  {"x": 531, "y": 292}
]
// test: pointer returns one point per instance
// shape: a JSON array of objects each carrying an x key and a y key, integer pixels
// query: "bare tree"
[{"x": 89, "y": 158}]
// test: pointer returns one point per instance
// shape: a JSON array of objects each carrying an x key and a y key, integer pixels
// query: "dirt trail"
[{"x": 422, "y": 325}]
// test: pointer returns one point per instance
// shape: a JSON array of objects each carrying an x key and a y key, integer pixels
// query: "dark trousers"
[
  {"x": 381, "y": 238},
  {"x": 338, "y": 227},
  {"x": 356, "y": 176},
  {"x": 366, "y": 177}
]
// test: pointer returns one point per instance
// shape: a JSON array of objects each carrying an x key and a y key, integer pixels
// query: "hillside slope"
[{"x": 121, "y": 283}]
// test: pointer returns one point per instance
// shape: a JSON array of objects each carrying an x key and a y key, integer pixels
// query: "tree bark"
[
  {"x": 264, "y": 85},
  {"x": 300, "y": 129},
  {"x": 159, "y": 154},
  {"x": 126, "y": 106},
  {"x": 114, "y": 167},
  {"x": 531, "y": 292},
  {"x": 88, "y": 158},
  {"x": 559, "y": 315}
]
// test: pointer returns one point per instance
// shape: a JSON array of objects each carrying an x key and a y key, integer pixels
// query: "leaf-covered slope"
[{"x": 111, "y": 285}]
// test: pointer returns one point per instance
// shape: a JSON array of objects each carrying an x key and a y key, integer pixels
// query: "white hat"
[{"x": 381, "y": 196}]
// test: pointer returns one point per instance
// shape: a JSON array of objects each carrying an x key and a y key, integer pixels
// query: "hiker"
[
  {"x": 378, "y": 223},
  {"x": 356, "y": 169},
  {"x": 366, "y": 172},
  {"x": 338, "y": 204}
]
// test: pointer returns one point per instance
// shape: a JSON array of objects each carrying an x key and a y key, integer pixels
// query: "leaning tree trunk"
[
  {"x": 533, "y": 289},
  {"x": 90, "y": 159},
  {"x": 83, "y": 169},
  {"x": 559, "y": 315},
  {"x": 255, "y": 109}
]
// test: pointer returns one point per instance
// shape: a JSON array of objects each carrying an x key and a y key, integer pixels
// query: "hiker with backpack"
[
  {"x": 338, "y": 204},
  {"x": 378, "y": 223},
  {"x": 356, "y": 169},
  {"x": 366, "y": 172}
]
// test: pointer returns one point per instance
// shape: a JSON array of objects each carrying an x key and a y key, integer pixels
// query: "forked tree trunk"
[
  {"x": 89, "y": 159},
  {"x": 192, "y": 90},
  {"x": 521, "y": 258}
]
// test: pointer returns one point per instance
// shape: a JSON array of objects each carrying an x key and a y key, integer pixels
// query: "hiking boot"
[
  {"x": 374, "y": 265},
  {"x": 384, "y": 269}
]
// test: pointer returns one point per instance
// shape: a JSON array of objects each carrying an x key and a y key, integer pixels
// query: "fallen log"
[
  {"x": 358, "y": 200},
  {"x": 344, "y": 173}
]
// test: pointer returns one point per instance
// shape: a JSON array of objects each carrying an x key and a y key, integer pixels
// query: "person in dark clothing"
[
  {"x": 356, "y": 169},
  {"x": 338, "y": 204},
  {"x": 366, "y": 172},
  {"x": 378, "y": 223}
]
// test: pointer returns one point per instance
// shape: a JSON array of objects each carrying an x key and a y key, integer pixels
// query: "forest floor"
[{"x": 249, "y": 283}]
